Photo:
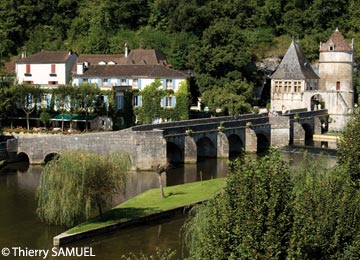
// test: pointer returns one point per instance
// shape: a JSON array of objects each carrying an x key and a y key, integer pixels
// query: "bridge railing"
[
  {"x": 193, "y": 122},
  {"x": 213, "y": 126}
]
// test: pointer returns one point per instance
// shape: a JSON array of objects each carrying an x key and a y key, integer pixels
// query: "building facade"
[
  {"x": 47, "y": 68},
  {"x": 295, "y": 84},
  {"x": 132, "y": 71}
]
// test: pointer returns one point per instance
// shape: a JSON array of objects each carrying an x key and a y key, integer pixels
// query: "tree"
[
  {"x": 250, "y": 219},
  {"x": 265, "y": 212},
  {"x": 66, "y": 101},
  {"x": 182, "y": 106},
  {"x": 76, "y": 183},
  {"x": 45, "y": 118},
  {"x": 233, "y": 98},
  {"x": 26, "y": 97},
  {"x": 348, "y": 148},
  {"x": 87, "y": 94}
]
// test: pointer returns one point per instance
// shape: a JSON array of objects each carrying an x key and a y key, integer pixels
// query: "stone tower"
[
  {"x": 292, "y": 79},
  {"x": 336, "y": 78}
]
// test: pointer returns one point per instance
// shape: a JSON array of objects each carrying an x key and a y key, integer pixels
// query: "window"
[
  {"x": 44, "y": 102},
  {"x": 52, "y": 82},
  {"x": 297, "y": 86},
  {"x": 119, "y": 100},
  {"x": 105, "y": 82},
  {"x": 135, "y": 83},
  {"x": 28, "y": 70},
  {"x": 53, "y": 69},
  {"x": 278, "y": 86},
  {"x": 168, "y": 84},
  {"x": 123, "y": 82},
  {"x": 137, "y": 101},
  {"x": 338, "y": 85},
  {"x": 287, "y": 86},
  {"x": 168, "y": 102}
]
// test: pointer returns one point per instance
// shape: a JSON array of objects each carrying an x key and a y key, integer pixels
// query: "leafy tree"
[
  {"x": 77, "y": 183},
  {"x": 7, "y": 106},
  {"x": 348, "y": 149},
  {"x": 233, "y": 99},
  {"x": 182, "y": 106},
  {"x": 26, "y": 97},
  {"x": 250, "y": 219},
  {"x": 325, "y": 222},
  {"x": 66, "y": 99},
  {"x": 266, "y": 213},
  {"x": 87, "y": 94},
  {"x": 45, "y": 117}
]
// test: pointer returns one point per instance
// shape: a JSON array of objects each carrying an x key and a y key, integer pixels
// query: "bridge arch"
[
  {"x": 263, "y": 143},
  {"x": 22, "y": 157},
  {"x": 51, "y": 156},
  {"x": 173, "y": 153},
  {"x": 309, "y": 131},
  {"x": 236, "y": 145},
  {"x": 206, "y": 148}
]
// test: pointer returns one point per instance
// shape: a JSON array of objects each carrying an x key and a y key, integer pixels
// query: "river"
[{"x": 20, "y": 227}]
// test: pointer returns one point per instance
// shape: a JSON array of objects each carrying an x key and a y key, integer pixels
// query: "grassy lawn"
[{"x": 150, "y": 202}]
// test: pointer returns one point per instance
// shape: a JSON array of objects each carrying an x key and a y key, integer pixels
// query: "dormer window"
[
  {"x": 331, "y": 46},
  {"x": 102, "y": 63}
]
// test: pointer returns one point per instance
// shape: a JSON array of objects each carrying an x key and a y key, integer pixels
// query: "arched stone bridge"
[{"x": 182, "y": 141}]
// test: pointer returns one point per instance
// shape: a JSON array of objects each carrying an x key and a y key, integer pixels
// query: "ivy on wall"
[{"x": 151, "y": 108}]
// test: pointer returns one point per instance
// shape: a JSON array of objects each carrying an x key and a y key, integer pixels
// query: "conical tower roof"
[
  {"x": 336, "y": 42},
  {"x": 294, "y": 65}
]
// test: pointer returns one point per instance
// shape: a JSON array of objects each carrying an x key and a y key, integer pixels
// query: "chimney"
[{"x": 126, "y": 50}]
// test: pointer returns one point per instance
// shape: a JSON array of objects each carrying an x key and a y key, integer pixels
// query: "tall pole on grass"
[{"x": 160, "y": 170}]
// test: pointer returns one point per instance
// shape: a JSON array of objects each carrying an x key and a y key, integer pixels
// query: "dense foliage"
[
  {"x": 270, "y": 211},
  {"x": 152, "y": 103},
  {"x": 74, "y": 185},
  {"x": 218, "y": 39}
]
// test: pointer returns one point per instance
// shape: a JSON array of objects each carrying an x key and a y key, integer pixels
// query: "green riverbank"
[{"x": 147, "y": 204}]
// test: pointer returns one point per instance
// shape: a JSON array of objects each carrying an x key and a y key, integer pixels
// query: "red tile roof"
[
  {"x": 338, "y": 41},
  {"x": 94, "y": 59},
  {"x": 46, "y": 57},
  {"x": 146, "y": 57}
]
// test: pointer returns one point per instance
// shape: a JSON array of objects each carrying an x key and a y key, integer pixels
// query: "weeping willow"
[{"x": 77, "y": 184}]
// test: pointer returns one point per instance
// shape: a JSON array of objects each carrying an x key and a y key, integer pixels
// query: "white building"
[{"x": 46, "y": 68}]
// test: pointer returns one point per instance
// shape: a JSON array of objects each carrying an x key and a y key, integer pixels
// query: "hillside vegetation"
[{"x": 216, "y": 38}]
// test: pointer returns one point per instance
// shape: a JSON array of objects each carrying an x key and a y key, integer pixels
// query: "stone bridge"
[{"x": 179, "y": 142}]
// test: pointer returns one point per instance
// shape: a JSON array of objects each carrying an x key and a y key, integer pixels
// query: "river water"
[{"x": 21, "y": 229}]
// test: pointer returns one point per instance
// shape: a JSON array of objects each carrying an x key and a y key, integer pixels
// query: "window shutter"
[
  {"x": 164, "y": 83},
  {"x": 139, "y": 100},
  {"x": 173, "y": 84},
  {"x": 173, "y": 101}
]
